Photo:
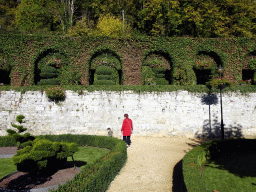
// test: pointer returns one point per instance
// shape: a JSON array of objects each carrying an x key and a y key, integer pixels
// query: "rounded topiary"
[
  {"x": 159, "y": 70},
  {"x": 43, "y": 156},
  {"x": 48, "y": 72},
  {"x": 159, "y": 75},
  {"x": 162, "y": 81},
  {"x": 104, "y": 70},
  {"x": 49, "y": 76},
  {"x": 48, "y": 82},
  {"x": 104, "y": 82},
  {"x": 105, "y": 77}
]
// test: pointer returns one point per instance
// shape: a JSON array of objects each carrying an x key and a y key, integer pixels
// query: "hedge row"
[{"x": 95, "y": 177}]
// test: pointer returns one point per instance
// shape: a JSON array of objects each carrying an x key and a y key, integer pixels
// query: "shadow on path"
[{"x": 178, "y": 180}]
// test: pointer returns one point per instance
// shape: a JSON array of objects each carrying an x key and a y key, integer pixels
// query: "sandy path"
[{"x": 151, "y": 164}]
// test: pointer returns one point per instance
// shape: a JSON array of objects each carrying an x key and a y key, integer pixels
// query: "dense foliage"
[
  {"x": 198, "y": 18},
  {"x": 21, "y": 140}
]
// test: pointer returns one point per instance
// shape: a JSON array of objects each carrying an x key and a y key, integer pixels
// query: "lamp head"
[{"x": 220, "y": 69}]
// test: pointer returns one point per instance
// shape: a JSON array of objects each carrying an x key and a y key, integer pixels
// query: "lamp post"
[{"x": 220, "y": 70}]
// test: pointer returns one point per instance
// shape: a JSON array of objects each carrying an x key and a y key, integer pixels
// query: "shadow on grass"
[
  {"x": 178, "y": 180},
  {"x": 236, "y": 156}
]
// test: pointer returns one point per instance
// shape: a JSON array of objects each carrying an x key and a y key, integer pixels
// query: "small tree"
[{"x": 22, "y": 140}]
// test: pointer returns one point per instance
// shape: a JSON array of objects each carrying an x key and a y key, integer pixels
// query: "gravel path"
[{"x": 153, "y": 164}]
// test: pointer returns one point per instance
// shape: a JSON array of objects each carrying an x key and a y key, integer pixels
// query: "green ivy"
[{"x": 25, "y": 53}]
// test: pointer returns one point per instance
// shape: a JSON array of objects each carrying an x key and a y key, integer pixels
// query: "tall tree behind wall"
[{"x": 7, "y": 13}]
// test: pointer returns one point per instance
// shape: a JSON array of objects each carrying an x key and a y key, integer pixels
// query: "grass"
[
  {"x": 221, "y": 165},
  {"x": 85, "y": 156},
  {"x": 231, "y": 172}
]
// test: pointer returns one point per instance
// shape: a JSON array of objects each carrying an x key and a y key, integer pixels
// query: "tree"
[
  {"x": 33, "y": 15},
  {"x": 7, "y": 13},
  {"x": 66, "y": 13},
  {"x": 108, "y": 25}
]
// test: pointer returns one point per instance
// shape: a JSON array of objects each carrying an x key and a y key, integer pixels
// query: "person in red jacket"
[{"x": 127, "y": 128}]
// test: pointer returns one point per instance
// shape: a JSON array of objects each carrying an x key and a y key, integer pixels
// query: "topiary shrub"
[
  {"x": 104, "y": 82},
  {"x": 161, "y": 81},
  {"x": 48, "y": 75},
  {"x": 43, "y": 156},
  {"x": 105, "y": 75},
  {"x": 48, "y": 82},
  {"x": 21, "y": 140},
  {"x": 104, "y": 70}
]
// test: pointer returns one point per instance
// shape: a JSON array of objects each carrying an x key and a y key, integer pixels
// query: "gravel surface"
[{"x": 153, "y": 164}]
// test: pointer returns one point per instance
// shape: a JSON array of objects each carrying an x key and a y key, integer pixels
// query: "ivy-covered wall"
[{"x": 40, "y": 60}]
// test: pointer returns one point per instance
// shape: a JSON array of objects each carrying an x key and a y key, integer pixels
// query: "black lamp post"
[{"x": 220, "y": 70}]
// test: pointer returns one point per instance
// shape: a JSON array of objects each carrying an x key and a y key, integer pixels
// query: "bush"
[
  {"x": 159, "y": 75},
  {"x": 104, "y": 70},
  {"x": 43, "y": 155},
  {"x": 21, "y": 140},
  {"x": 162, "y": 81},
  {"x": 104, "y": 82},
  {"x": 7, "y": 141},
  {"x": 48, "y": 82},
  {"x": 48, "y": 72},
  {"x": 160, "y": 70},
  {"x": 104, "y": 77},
  {"x": 148, "y": 76}
]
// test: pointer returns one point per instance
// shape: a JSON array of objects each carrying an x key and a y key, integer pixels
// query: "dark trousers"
[{"x": 127, "y": 139}]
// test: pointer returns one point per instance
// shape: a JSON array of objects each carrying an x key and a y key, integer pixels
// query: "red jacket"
[{"x": 127, "y": 127}]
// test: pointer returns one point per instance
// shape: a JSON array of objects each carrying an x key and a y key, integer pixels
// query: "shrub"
[
  {"x": 21, "y": 140},
  {"x": 104, "y": 77},
  {"x": 104, "y": 70},
  {"x": 108, "y": 25},
  {"x": 148, "y": 76},
  {"x": 7, "y": 141},
  {"x": 159, "y": 75},
  {"x": 48, "y": 72},
  {"x": 162, "y": 81},
  {"x": 104, "y": 82},
  {"x": 159, "y": 70},
  {"x": 48, "y": 82},
  {"x": 43, "y": 155},
  {"x": 55, "y": 93}
]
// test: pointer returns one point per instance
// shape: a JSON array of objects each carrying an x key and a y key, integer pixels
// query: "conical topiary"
[{"x": 21, "y": 140}]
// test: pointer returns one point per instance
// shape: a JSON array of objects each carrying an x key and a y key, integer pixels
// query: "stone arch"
[
  {"x": 97, "y": 60},
  {"x": 166, "y": 60},
  {"x": 206, "y": 65},
  {"x": 41, "y": 56}
]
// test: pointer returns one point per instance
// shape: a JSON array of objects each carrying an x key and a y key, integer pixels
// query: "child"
[{"x": 110, "y": 133}]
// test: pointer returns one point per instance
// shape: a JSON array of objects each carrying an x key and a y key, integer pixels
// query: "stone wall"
[{"x": 154, "y": 114}]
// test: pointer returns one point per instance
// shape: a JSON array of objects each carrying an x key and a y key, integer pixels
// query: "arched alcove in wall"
[
  {"x": 4, "y": 69},
  {"x": 48, "y": 66},
  {"x": 105, "y": 68},
  {"x": 157, "y": 68},
  {"x": 206, "y": 64},
  {"x": 248, "y": 71}
]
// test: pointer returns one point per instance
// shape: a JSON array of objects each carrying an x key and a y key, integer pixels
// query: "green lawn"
[
  {"x": 231, "y": 172},
  {"x": 85, "y": 154}
]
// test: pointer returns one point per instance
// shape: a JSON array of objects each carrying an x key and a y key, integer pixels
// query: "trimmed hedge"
[
  {"x": 48, "y": 82},
  {"x": 94, "y": 177},
  {"x": 104, "y": 82},
  {"x": 161, "y": 81},
  {"x": 104, "y": 77},
  {"x": 104, "y": 70}
]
